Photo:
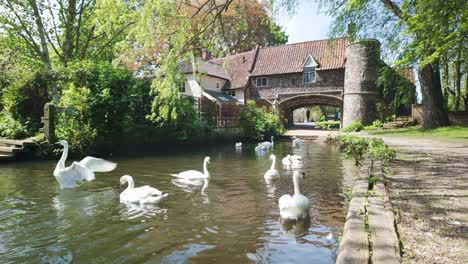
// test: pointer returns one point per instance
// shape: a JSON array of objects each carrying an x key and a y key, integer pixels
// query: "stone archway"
[{"x": 288, "y": 105}]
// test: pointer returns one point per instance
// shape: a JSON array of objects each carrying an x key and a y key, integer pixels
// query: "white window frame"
[
  {"x": 311, "y": 72},
  {"x": 261, "y": 82},
  {"x": 309, "y": 68}
]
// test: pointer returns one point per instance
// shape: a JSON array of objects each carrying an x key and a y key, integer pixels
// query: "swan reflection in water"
[
  {"x": 270, "y": 187},
  {"x": 296, "y": 228},
  {"x": 192, "y": 186},
  {"x": 134, "y": 210},
  {"x": 300, "y": 230}
]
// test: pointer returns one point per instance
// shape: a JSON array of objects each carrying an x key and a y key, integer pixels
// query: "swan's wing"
[
  {"x": 97, "y": 165},
  {"x": 74, "y": 175},
  {"x": 190, "y": 174},
  {"x": 153, "y": 199},
  {"x": 283, "y": 201},
  {"x": 149, "y": 190}
]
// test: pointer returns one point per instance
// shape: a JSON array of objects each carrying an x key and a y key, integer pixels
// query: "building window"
[
  {"x": 308, "y": 75},
  {"x": 182, "y": 88},
  {"x": 231, "y": 93},
  {"x": 217, "y": 85},
  {"x": 261, "y": 82}
]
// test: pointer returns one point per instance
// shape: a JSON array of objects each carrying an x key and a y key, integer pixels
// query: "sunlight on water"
[{"x": 237, "y": 221}]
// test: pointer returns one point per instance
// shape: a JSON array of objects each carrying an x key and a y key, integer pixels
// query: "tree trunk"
[
  {"x": 434, "y": 110},
  {"x": 69, "y": 28},
  {"x": 466, "y": 93},
  {"x": 457, "y": 86},
  {"x": 445, "y": 80},
  {"x": 44, "y": 48}
]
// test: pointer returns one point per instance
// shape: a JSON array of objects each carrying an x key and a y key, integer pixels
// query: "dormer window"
[
  {"x": 309, "y": 70},
  {"x": 308, "y": 75}
]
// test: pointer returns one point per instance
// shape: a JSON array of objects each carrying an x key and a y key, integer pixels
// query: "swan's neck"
[
  {"x": 272, "y": 141},
  {"x": 205, "y": 169},
  {"x": 273, "y": 163},
  {"x": 61, "y": 162},
  {"x": 296, "y": 185},
  {"x": 205, "y": 185},
  {"x": 131, "y": 184}
]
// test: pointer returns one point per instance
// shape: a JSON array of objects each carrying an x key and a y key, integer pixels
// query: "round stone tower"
[{"x": 360, "y": 85}]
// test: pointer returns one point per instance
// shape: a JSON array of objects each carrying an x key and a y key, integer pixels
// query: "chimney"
[{"x": 205, "y": 54}]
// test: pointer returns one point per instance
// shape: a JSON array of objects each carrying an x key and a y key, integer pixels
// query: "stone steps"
[{"x": 9, "y": 148}]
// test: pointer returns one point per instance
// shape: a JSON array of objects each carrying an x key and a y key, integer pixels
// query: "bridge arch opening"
[{"x": 293, "y": 109}]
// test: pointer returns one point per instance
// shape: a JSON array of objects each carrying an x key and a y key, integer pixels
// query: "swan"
[
  {"x": 75, "y": 174},
  {"x": 142, "y": 195},
  {"x": 266, "y": 144},
  {"x": 291, "y": 160},
  {"x": 193, "y": 174},
  {"x": 239, "y": 145},
  {"x": 297, "y": 142},
  {"x": 272, "y": 173},
  {"x": 297, "y": 206}
]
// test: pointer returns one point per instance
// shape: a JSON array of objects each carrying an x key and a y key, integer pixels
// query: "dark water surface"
[{"x": 237, "y": 222}]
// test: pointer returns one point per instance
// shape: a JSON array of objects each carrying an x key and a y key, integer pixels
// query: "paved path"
[{"x": 428, "y": 188}]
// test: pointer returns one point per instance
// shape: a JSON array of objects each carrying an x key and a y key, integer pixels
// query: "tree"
[
  {"x": 413, "y": 31},
  {"x": 223, "y": 27},
  {"x": 65, "y": 30}
]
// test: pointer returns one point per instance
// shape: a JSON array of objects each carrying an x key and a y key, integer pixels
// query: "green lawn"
[{"x": 451, "y": 132}]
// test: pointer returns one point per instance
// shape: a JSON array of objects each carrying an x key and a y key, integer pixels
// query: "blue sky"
[{"x": 306, "y": 24}]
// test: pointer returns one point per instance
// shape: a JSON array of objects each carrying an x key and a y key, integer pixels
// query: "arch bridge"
[{"x": 287, "y": 104}]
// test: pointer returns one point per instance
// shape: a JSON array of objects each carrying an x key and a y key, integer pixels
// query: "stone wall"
[
  {"x": 455, "y": 119},
  {"x": 326, "y": 81},
  {"x": 360, "y": 85}
]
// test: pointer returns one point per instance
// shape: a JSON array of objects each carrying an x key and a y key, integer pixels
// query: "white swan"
[
  {"x": 297, "y": 142},
  {"x": 193, "y": 174},
  {"x": 239, "y": 145},
  {"x": 75, "y": 174},
  {"x": 297, "y": 206},
  {"x": 272, "y": 173},
  {"x": 291, "y": 160},
  {"x": 265, "y": 145},
  {"x": 142, "y": 195}
]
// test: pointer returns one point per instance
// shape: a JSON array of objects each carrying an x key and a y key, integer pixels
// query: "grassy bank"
[{"x": 441, "y": 133}]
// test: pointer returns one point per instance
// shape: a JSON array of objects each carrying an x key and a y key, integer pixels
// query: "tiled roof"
[
  {"x": 238, "y": 66},
  {"x": 408, "y": 74},
  {"x": 329, "y": 54},
  {"x": 205, "y": 67}
]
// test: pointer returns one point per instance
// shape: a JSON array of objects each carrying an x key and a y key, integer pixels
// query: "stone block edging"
[{"x": 369, "y": 234}]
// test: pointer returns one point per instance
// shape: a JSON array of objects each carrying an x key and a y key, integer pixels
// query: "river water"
[{"x": 236, "y": 222}]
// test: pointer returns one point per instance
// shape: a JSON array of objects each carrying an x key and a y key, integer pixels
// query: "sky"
[{"x": 306, "y": 24}]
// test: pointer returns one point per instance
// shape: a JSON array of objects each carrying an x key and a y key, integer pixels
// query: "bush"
[
  {"x": 328, "y": 125},
  {"x": 102, "y": 104},
  {"x": 74, "y": 123},
  {"x": 258, "y": 123},
  {"x": 378, "y": 150},
  {"x": 353, "y": 147},
  {"x": 24, "y": 99},
  {"x": 11, "y": 128},
  {"x": 377, "y": 124},
  {"x": 353, "y": 127},
  {"x": 357, "y": 147}
]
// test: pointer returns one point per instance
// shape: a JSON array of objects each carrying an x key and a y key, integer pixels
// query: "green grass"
[{"x": 450, "y": 132}]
